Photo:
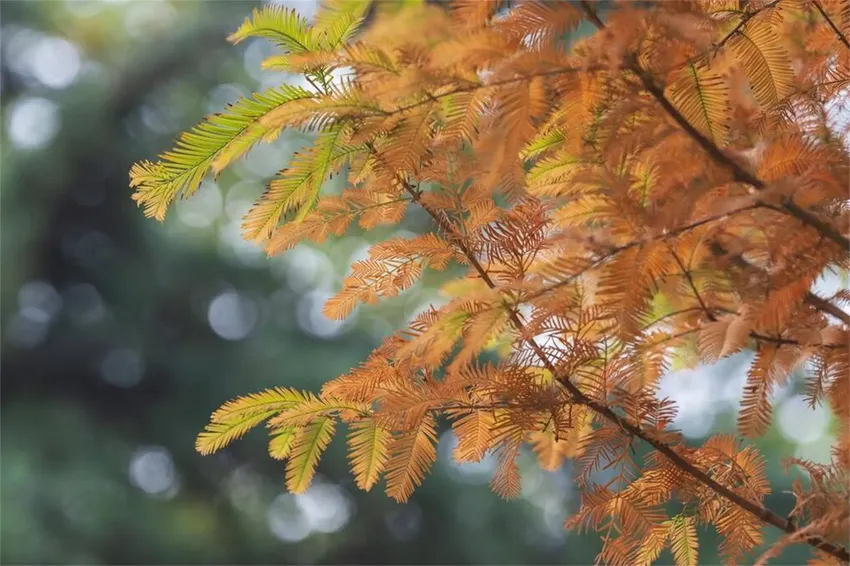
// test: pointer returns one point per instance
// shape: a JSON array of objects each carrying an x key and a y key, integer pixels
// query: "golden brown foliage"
[{"x": 669, "y": 186}]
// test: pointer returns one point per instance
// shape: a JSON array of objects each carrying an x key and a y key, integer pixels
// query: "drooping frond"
[
  {"x": 368, "y": 452},
  {"x": 725, "y": 336},
  {"x": 411, "y": 456},
  {"x": 211, "y": 145},
  {"x": 392, "y": 267},
  {"x": 507, "y": 482},
  {"x": 542, "y": 24},
  {"x": 474, "y": 12},
  {"x": 766, "y": 372},
  {"x": 312, "y": 407},
  {"x": 702, "y": 97},
  {"x": 237, "y": 417},
  {"x": 474, "y": 435},
  {"x": 548, "y": 141},
  {"x": 765, "y": 61},
  {"x": 281, "y": 442},
  {"x": 683, "y": 541},
  {"x": 283, "y": 26},
  {"x": 217, "y": 435},
  {"x": 307, "y": 447},
  {"x": 299, "y": 185},
  {"x": 550, "y": 450},
  {"x": 337, "y": 21}
]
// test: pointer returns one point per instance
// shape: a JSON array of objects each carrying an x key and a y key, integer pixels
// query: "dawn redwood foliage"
[{"x": 669, "y": 185}]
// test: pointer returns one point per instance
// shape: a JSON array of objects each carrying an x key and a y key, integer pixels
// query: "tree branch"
[
  {"x": 611, "y": 253},
  {"x": 606, "y": 412},
  {"x": 739, "y": 173},
  {"x": 825, "y": 306},
  {"x": 687, "y": 273},
  {"x": 841, "y": 37},
  {"x": 810, "y": 298}
]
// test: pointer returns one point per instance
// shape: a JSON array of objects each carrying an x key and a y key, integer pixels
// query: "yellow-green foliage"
[{"x": 658, "y": 194}]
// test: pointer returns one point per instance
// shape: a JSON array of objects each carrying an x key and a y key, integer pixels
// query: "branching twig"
[
  {"x": 841, "y": 37},
  {"x": 717, "y": 155},
  {"x": 606, "y": 412}
]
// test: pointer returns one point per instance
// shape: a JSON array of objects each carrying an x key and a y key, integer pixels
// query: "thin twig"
[
  {"x": 841, "y": 37},
  {"x": 606, "y": 412},
  {"x": 742, "y": 175},
  {"x": 717, "y": 155}
]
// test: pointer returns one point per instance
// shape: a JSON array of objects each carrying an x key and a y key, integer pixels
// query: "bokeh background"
[{"x": 120, "y": 335}]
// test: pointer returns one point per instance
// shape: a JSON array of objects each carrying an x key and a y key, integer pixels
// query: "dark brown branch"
[
  {"x": 841, "y": 37},
  {"x": 737, "y": 29},
  {"x": 739, "y": 173},
  {"x": 606, "y": 412},
  {"x": 810, "y": 298},
  {"x": 825, "y": 306},
  {"x": 687, "y": 273},
  {"x": 710, "y": 314},
  {"x": 742, "y": 175},
  {"x": 611, "y": 253}
]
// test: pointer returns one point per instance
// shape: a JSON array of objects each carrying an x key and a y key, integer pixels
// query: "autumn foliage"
[{"x": 669, "y": 185}]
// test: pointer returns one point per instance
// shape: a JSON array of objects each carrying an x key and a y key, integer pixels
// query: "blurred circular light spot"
[
  {"x": 734, "y": 368},
  {"x": 32, "y": 122},
  {"x": 143, "y": 19},
  {"x": 202, "y": 208},
  {"x": 91, "y": 248},
  {"x": 84, "y": 305},
  {"x": 232, "y": 316},
  {"x": 41, "y": 296},
  {"x": 257, "y": 51},
  {"x": 263, "y": 161},
  {"x": 245, "y": 490},
  {"x": 326, "y": 508},
  {"x": 234, "y": 247},
  {"x": 305, "y": 268},
  {"x": 801, "y": 423},
  {"x": 286, "y": 519},
  {"x": 155, "y": 120},
  {"x": 554, "y": 514},
  {"x": 693, "y": 393},
  {"x": 404, "y": 521},
  {"x": 467, "y": 472},
  {"x": 240, "y": 199},
  {"x": 222, "y": 95},
  {"x": 152, "y": 470},
  {"x": 313, "y": 321},
  {"x": 55, "y": 62},
  {"x": 122, "y": 367},
  {"x": 18, "y": 43}
]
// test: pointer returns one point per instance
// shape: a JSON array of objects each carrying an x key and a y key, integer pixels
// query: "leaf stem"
[{"x": 841, "y": 36}]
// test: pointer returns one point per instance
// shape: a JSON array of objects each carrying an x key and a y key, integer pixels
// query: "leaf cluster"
[{"x": 668, "y": 188}]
